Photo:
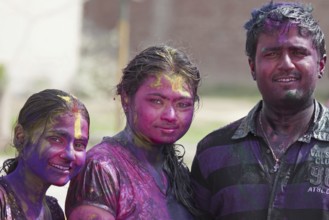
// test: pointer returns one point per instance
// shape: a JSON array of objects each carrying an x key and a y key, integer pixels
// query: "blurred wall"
[
  {"x": 74, "y": 45},
  {"x": 211, "y": 31}
]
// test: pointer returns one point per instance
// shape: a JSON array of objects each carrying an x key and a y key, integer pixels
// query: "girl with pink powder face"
[
  {"x": 139, "y": 173},
  {"x": 50, "y": 136}
]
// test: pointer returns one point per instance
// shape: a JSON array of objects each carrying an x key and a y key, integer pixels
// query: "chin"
[
  {"x": 162, "y": 142},
  {"x": 60, "y": 182}
]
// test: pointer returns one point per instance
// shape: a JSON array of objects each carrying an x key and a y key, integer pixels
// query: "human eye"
[
  {"x": 55, "y": 139},
  {"x": 156, "y": 101},
  {"x": 271, "y": 54},
  {"x": 80, "y": 146},
  {"x": 298, "y": 52},
  {"x": 184, "y": 104}
]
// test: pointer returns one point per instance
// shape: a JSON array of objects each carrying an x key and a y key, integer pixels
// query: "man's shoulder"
[{"x": 221, "y": 136}]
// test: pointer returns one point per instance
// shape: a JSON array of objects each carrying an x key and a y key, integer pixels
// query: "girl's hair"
[
  {"x": 37, "y": 111},
  {"x": 155, "y": 60},
  {"x": 179, "y": 178},
  {"x": 165, "y": 60}
]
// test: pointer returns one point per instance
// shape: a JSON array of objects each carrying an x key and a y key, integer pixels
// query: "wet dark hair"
[
  {"x": 154, "y": 60},
  {"x": 273, "y": 16},
  {"x": 37, "y": 111},
  {"x": 165, "y": 60}
]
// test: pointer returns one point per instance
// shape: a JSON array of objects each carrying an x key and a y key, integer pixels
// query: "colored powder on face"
[
  {"x": 77, "y": 125},
  {"x": 157, "y": 82},
  {"x": 141, "y": 140},
  {"x": 176, "y": 81},
  {"x": 177, "y": 84},
  {"x": 283, "y": 34}
]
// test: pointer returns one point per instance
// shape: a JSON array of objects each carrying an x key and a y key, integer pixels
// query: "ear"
[
  {"x": 322, "y": 66},
  {"x": 252, "y": 68},
  {"x": 124, "y": 101},
  {"x": 19, "y": 138}
]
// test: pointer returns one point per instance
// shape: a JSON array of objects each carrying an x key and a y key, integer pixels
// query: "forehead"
[
  {"x": 165, "y": 83},
  {"x": 286, "y": 35},
  {"x": 60, "y": 121},
  {"x": 65, "y": 118},
  {"x": 172, "y": 81}
]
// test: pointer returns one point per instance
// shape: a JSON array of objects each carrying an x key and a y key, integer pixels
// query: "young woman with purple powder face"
[
  {"x": 139, "y": 173},
  {"x": 50, "y": 136}
]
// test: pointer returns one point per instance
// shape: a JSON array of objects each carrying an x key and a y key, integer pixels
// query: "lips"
[
  {"x": 289, "y": 79},
  {"x": 61, "y": 167},
  {"x": 168, "y": 129}
]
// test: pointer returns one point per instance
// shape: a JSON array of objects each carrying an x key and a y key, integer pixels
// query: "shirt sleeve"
[{"x": 96, "y": 185}]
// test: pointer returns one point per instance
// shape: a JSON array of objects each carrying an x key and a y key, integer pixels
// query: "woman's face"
[
  {"x": 162, "y": 109},
  {"x": 57, "y": 151}
]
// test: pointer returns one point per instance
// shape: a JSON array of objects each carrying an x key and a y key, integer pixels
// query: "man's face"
[{"x": 286, "y": 67}]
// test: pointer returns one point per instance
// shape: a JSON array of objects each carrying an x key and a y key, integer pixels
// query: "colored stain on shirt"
[{"x": 132, "y": 192}]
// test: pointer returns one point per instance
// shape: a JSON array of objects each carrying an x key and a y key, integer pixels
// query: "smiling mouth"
[
  {"x": 287, "y": 80},
  {"x": 62, "y": 168}
]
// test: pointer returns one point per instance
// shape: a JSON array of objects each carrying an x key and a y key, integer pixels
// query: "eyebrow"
[
  {"x": 270, "y": 49},
  {"x": 279, "y": 48},
  {"x": 165, "y": 97},
  {"x": 66, "y": 135}
]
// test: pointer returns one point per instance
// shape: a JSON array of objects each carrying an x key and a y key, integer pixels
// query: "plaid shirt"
[{"x": 232, "y": 178}]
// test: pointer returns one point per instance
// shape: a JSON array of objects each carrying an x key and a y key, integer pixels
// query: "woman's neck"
[
  {"x": 142, "y": 148},
  {"x": 29, "y": 190},
  {"x": 150, "y": 156}
]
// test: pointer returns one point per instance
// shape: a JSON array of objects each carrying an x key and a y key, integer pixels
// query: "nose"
[
  {"x": 286, "y": 63},
  {"x": 68, "y": 153},
  {"x": 169, "y": 113}
]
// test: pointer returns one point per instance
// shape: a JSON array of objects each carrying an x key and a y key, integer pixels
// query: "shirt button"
[{"x": 268, "y": 151}]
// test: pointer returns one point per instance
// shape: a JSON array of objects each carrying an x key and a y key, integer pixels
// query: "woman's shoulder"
[
  {"x": 55, "y": 209},
  {"x": 109, "y": 149}
]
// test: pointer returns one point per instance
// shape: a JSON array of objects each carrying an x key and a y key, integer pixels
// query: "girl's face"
[
  {"x": 57, "y": 152},
  {"x": 162, "y": 109}
]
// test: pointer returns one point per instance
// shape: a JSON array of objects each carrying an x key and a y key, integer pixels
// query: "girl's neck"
[
  {"x": 30, "y": 192},
  {"x": 150, "y": 156},
  {"x": 141, "y": 148}
]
